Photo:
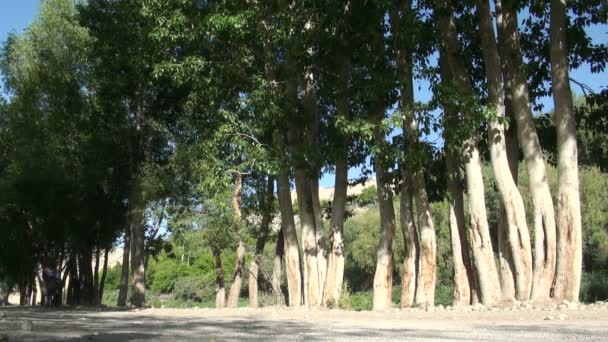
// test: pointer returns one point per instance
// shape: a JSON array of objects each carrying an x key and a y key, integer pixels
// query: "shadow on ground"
[{"x": 75, "y": 325}]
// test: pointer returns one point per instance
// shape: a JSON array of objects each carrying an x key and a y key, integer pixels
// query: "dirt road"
[{"x": 588, "y": 323}]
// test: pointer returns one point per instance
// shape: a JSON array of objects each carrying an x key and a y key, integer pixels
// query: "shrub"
[{"x": 193, "y": 288}]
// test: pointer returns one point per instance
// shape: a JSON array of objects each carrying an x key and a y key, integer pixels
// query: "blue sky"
[{"x": 16, "y": 15}]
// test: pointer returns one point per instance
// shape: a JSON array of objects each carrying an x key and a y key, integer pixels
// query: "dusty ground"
[{"x": 576, "y": 323}]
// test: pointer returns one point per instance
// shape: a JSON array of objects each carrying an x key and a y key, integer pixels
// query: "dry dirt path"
[{"x": 588, "y": 323}]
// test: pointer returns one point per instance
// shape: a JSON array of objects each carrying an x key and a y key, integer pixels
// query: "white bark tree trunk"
[
  {"x": 518, "y": 236},
  {"x": 408, "y": 229},
  {"x": 292, "y": 253},
  {"x": 458, "y": 238},
  {"x": 486, "y": 275},
  {"x": 383, "y": 277},
  {"x": 544, "y": 214},
  {"x": 569, "y": 252},
  {"x": 463, "y": 274},
  {"x": 335, "y": 263},
  {"x": 237, "y": 279}
]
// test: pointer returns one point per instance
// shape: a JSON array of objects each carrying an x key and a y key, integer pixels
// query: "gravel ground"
[{"x": 520, "y": 322}]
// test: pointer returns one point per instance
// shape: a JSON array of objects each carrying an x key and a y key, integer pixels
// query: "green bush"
[
  {"x": 113, "y": 278},
  {"x": 193, "y": 288},
  {"x": 163, "y": 274},
  {"x": 594, "y": 286}
]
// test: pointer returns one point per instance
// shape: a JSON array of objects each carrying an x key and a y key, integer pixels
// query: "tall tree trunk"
[
  {"x": 483, "y": 256},
  {"x": 292, "y": 253},
  {"x": 316, "y": 279},
  {"x": 428, "y": 245},
  {"x": 335, "y": 262},
  {"x": 308, "y": 224},
  {"x": 486, "y": 275},
  {"x": 428, "y": 263},
  {"x": 87, "y": 281},
  {"x": 319, "y": 234},
  {"x": 220, "y": 289},
  {"x": 74, "y": 287},
  {"x": 569, "y": 245},
  {"x": 104, "y": 274},
  {"x": 124, "y": 274},
  {"x": 136, "y": 218},
  {"x": 254, "y": 266},
  {"x": 544, "y": 214},
  {"x": 458, "y": 238},
  {"x": 96, "y": 273},
  {"x": 518, "y": 236},
  {"x": 34, "y": 294},
  {"x": 276, "y": 270},
  {"x": 507, "y": 281},
  {"x": 237, "y": 279},
  {"x": 408, "y": 229},
  {"x": 383, "y": 277}
]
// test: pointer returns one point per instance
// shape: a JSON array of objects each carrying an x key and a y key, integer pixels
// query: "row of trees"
[{"x": 127, "y": 117}]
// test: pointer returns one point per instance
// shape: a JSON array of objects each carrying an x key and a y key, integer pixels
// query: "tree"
[
  {"x": 544, "y": 214},
  {"x": 569, "y": 240}
]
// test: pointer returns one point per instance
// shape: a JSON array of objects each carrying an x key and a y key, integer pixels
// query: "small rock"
[
  {"x": 430, "y": 308},
  {"x": 566, "y": 302},
  {"x": 27, "y": 325},
  {"x": 528, "y": 306},
  {"x": 562, "y": 317},
  {"x": 449, "y": 308},
  {"x": 549, "y": 318},
  {"x": 572, "y": 306},
  {"x": 2, "y": 315},
  {"x": 562, "y": 307},
  {"x": 440, "y": 307}
]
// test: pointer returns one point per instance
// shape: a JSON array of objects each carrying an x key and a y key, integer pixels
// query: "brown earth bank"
[{"x": 520, "y": 322}]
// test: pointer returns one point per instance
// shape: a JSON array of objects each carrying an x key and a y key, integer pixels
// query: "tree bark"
[
  {"x": 335, "y": 262},
  {"x": 86, "y": 271},
  {"x": 428, "y": 263},
  {"x": 464, "y": 282},
  {"x": 569, "y": 253},
  {"x": 277, "y": 292},
  {"x": 319, "y": 234},
  {"x": 458, "y": 238},
  {"x": 96, "y": 273},
  {"x": 518, "y": 236},
  {"x": 104, "y": 274},
  {"x": 220, "y": 289},
  {"x": 292, "y": 254},
  {"x": 136, "y": 218},
  {"x": 486, "y": 275},
  {"x": 124, "y": 274},
  {"x": 507, "y": 281},
  {"x": 544, "y": 214},
  {"x": 308, "y": 226},
  {"x": 237, "y": 279},
  {"x": 408, "y": 229},
  {"x": 261, "y": 242},
  {"x": 383, "y": 277}
]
